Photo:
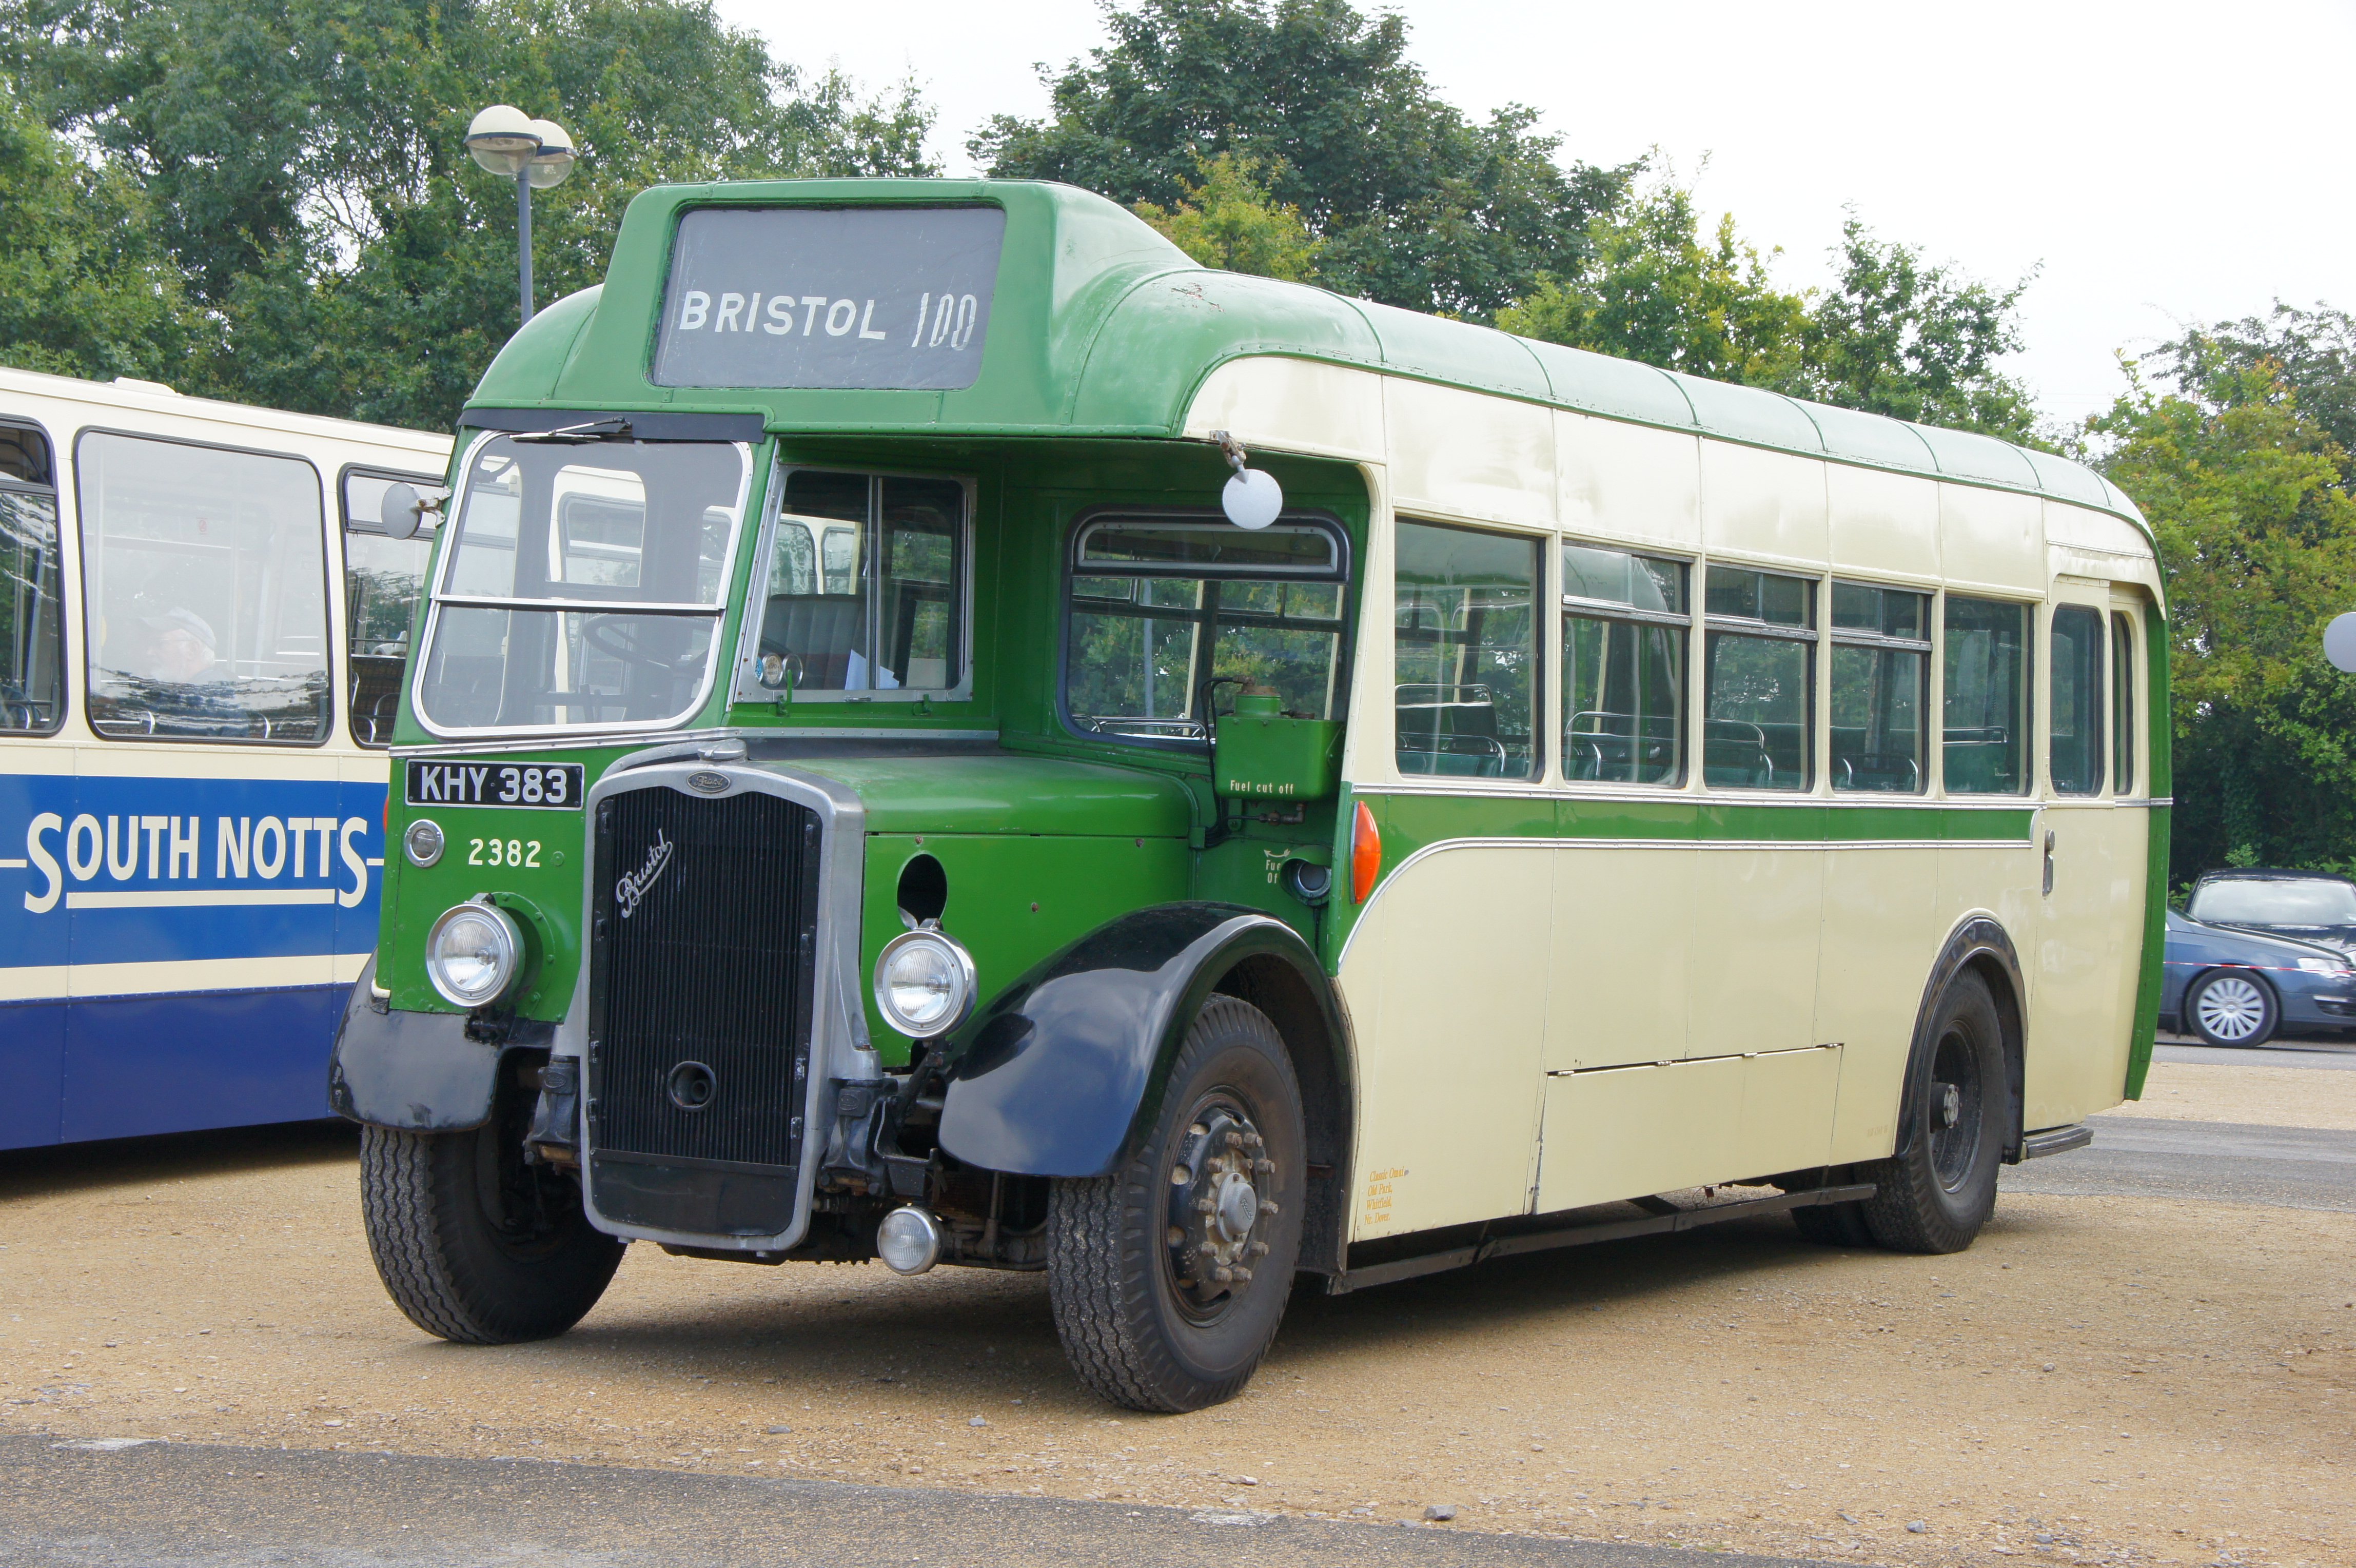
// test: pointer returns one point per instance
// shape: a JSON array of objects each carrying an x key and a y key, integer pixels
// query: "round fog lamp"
[
  {"x": 473, "y": 954},
  {"x": 924, "y": 983},
  {"x": 908, "y": 1240}
]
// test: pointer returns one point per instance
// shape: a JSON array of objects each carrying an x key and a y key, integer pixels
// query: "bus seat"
[{"x": 820, "y": 629}]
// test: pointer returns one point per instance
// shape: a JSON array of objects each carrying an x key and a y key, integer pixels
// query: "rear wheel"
[
  {"x": 1168, "y": 1277},
  {"x": 474, "y": 1245},
  {"x": 2230, "y": 1008},
  {"x": 1935, "y": 1197}
]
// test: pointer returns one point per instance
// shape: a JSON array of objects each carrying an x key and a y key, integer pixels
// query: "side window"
[
  {"x": 32, "y": 631},
  {"x": 204, "y": 592},
  {"x": 1162, "y": 607},
  {"x": 1466, "y": 661},
  {"x": 382, "y": 579},
  {"x": 866, "y": 586},
  {"x": 1985, "y": 716},
  {"x": 1624, "y": 623},
  {"x": 2078, "y": 695},
  {"x": 1757, "y": 732},
  {"x": 2123, "y": 696},
  {"x": 1881, "y": 689}
]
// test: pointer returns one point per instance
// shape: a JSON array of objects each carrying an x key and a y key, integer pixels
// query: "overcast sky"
[{"x": 2160, "y": 162}]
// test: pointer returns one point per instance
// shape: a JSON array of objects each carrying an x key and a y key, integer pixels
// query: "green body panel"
[
  {"x": 1008, "y": 793},
  {"x": 1099, "y": 326},
  {"x": 1013, "y": 900},
  {"x": 2161, "y": 766}
]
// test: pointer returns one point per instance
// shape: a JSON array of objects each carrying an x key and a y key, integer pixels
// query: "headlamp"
[
  {"x": 474, "y": 954},
  {"x": 924, "y": 982}
]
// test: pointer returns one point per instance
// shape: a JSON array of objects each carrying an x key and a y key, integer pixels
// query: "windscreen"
[
  {"x": 829, "y": 298},
  {"x": 583, "y": 583},
  {"x": 2256, "y": 901}
]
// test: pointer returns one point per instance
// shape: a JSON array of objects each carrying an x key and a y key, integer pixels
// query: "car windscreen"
[
  {"x": 583, "y": 583},
  {"x": 2254, "y": 901}
]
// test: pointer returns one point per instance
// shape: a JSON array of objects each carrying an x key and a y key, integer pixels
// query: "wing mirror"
[{"x": 403, "y": 510}]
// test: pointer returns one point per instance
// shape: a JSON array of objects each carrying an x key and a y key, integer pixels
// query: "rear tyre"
[
  {"x": 1935, "y": 1197},
  {"x": 474, "y": 1245},
  {"x": 2232, "y": 1008},
  {"x": 1168, "y": 1277}
]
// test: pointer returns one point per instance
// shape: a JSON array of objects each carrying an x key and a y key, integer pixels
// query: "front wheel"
[
  {"x": 1169, "y": 1276},
  {"x": 2230, "y": 1008},
  {"x": 1936, "y": 1195},
  {"x": 474, "y": 1245}
]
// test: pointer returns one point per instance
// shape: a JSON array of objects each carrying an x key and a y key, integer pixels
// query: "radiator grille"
[{"x": 704, "y": 922}]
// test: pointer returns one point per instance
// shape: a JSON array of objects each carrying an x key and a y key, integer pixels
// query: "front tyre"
[
  {"x": 1935, "y": 1197},
  {"x": 474, "y": 1245},
  {"x": 1169, "y": 1276},
  {"x": 2231, "y": 1007}
]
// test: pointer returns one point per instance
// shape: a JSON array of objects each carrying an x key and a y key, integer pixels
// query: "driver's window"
[{"x": 866, "y": 586}]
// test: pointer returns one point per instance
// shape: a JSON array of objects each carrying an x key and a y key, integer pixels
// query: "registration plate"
[{"x": 543, "y": 786}]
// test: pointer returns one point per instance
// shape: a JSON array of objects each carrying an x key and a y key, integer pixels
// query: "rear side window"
[
  {"x": 2123, "y": 688},
  {"x": 2077, "y": 698},
  {"x": 1761, "y": 659},
  {"x": 32, "y": 631},
  {"x": 1881, "y": 685},
  {"x": 205, "y": 592},
  {"x": 1984, "y": 747},
  {"x": 1467, "y": 662}
]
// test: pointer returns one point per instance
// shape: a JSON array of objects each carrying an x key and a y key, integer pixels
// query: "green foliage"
[
  {"x": 1412, "y": 204},
  {"x": 1915, "y": 341},
  {"x": 302, "y": 161},
  {"x": 2248, "y": 496},
  {"x": 83, "y": 291},
  {"x": 1229, "y": 220},
  {"x": 1654, "y": 289}
]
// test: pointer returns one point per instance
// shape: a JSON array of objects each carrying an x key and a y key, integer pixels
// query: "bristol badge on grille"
[{"x": 542, "y": 786}]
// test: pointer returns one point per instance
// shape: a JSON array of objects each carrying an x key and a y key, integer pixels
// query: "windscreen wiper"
[{"x": 578, "y": 434}]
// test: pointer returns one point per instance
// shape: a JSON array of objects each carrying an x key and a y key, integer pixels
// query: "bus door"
[{"x": 36, "y": 770}]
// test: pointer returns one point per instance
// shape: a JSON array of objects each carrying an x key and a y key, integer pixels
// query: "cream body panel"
[
  {"x": 1622, "y": 966},
  {"x": 1370, "y": 740},
  {"x": 1460, "y": 455},
  {"x": 1767, "y": 505},
  {"x": 1633, "y": 1131},
  {"x": 1991, "y": 538},
  {"x": 1756, "y": 930},
  {"x": 1292, "y": 405},
  {"x": 1883, "y": 933},
  {"x": 2088, "y": 953},
  {"x": 1882, "y": 523},
  {"x": 1446, "y": 977},
  {"x": 1628, "y": 481}
]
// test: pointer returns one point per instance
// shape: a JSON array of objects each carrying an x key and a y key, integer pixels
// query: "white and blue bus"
[{"x": 202, "y": 630}]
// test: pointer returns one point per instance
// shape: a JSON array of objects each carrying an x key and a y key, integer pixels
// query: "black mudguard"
[
  {"x": 1058, "y": 1074},
  {"x": 416, "y": 1072}
]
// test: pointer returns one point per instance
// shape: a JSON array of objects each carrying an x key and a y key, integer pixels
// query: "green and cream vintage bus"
[{"x": 942, "y": 731}]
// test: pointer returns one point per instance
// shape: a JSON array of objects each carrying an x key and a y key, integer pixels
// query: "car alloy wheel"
[{"x": 2230, "y": 1008}]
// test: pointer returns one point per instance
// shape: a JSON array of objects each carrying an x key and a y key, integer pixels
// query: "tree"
[
  {"x": 303, "y": 162},
  {"x": 1410, "y": 203},
  {"x": 83, "y": 292},
  {"x": 1654, "y": 290},
  {"x": 1230, "y": 221},
  {"x": 1900, "y": 336},
  {"x": 2312, "y": 352},
  {"x": 2256, "y": 525}
]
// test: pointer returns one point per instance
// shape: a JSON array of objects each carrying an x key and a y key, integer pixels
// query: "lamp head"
[
  {"x": 553, "y": 162},
  {"x": 502, "y": 140}
]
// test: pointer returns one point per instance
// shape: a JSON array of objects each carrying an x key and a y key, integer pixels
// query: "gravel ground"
[{"x": 2101, "y": 1378}]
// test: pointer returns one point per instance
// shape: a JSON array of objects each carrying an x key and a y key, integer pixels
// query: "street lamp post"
[{"x": 536, "y": 153}]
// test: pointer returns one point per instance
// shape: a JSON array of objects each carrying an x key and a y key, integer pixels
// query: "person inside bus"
[{"x": 180, "y": 647}]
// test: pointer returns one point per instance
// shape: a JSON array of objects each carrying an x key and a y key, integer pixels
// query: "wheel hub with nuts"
[{"x": 1220, "y": 1209}]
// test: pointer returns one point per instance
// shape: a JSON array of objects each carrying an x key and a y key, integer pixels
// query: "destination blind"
[{"x": 829, "y": 298}]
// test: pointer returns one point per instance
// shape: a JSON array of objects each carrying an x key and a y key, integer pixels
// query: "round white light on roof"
[
  {"x": 554, "y": 159},
  {"x": 1252, "y": 499}
]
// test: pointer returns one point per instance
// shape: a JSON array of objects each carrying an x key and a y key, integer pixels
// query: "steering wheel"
[{"x": 603, "y": 637}]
